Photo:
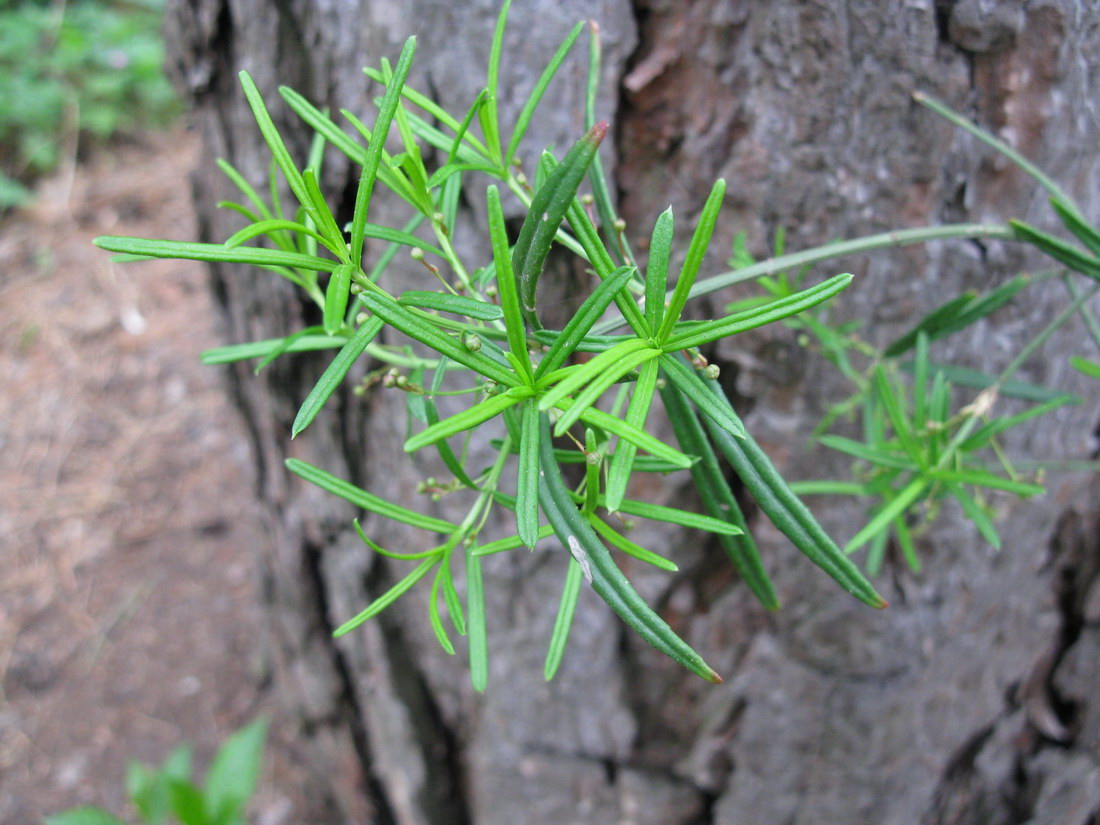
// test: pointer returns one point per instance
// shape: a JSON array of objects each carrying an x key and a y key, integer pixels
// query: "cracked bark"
[{"x": 971, "y": 700}]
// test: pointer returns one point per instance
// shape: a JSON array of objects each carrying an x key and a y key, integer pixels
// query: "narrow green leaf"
[
  {"x": 336, "y": 298},
  {"x": 489, "y": 115},
  {"x": 446, "y": 302},
  {"x": 1081, "y": 229},
  {"x": 687, "y": 381},
  {"x": 983, "y": 478},
  {"x": 717, "y": 497},
  {"x": 368, "y": 501},
  {"x": 532, "y": 102},
  {"x": 374, "y": 150},
  {"x": 1058, "y": 249},
  {"x": 417, "y": 328},
  {"x": 976, "y": 513},
  {"x": 753, "y": 318},
  {"x": 267, "y": 227},
  {"x": 1085, "y": 366},
  {"x": 631, "y": 548},
  {"x": 866, "y": 452},
  {"x": 506, "y": 284},
  {"x": 274, "y": 141},
  {"x": 656, "y": 273},
  {"x": 905, "y": 544},
  {"x": 825, "y": 487},
  {"x": 567, "y": 606},
  {"x": 322, "y": 216},
  {"x": 451, "y": 598},
  {"x": 214, "y": 252},
  {"x": 569, "y": 339},
  {"x": 387, "y": 598},
  {"x": 700, "y": 240},
  {"x": 888, "y": 395},
  {"x": 577, "y": 535},
  {"x": 887, "y": 513},
  {"x": 622, "y": 462},
  {"x": 527, "y": 478},
  {"x": 545, "y": 215},
  {"x": 259, "y": 349},
  {"x": 640, "y": 438},
  {"x": 467, "y": 419},
  {"x": 600, "y": 384},
  {"x": 334, "y": 375},
  {"x": 674, "y": 515},
  {"x": 985, "y": 434},
  {"x": 433, "y": 615},
  {"x": 603, "y": 363},
  {"x": 786, "y": 511},
  {"x": 475, "y": 608},
  {"x": 957, "y": 314},
  {"x": 246, "y": 188}
]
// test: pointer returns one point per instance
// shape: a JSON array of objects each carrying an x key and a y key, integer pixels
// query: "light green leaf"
[{"x": 368, "y": 501}]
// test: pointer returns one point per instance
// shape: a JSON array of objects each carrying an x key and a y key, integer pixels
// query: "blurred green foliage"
[{"x": 75, "y": 72}]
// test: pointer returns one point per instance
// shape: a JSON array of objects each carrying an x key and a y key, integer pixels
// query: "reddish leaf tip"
[{"x": 597, "y": 133}]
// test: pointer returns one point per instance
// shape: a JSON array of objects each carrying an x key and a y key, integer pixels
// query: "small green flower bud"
[
  {"x": 587, "y": 199},
  {"x": 362, "y": 318},
  {"x": 356, "y": 289},
  {"x": 593, "y": 459},
  {"x": 620, "y": 225},
  {"x": 416, "y": 253},
  {"x": 471, "y": 341},
  {"x": 712, "y": 372}
]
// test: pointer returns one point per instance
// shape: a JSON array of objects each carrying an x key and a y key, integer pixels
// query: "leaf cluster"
[
  {"x": 83, "y": 69},
  {"x": 167, "y": 793},
  {"x": 482, "y": 334}
]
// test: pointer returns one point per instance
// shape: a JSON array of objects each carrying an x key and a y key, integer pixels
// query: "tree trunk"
[{"x": 972, "y": 698}]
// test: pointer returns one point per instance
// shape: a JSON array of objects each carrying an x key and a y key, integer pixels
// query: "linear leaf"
[
  {"x": 786, "y": 511},
  {"x": 717, "y": 497},
  {"x": 374, "y": 150},
  {"x": 700, "y": 240},
  {"x": 506, "y": 284},
  {"x": 387, "y": 598},
  {"x": 527, "y": 478},
  {"x": 567, "y": 606},
  {"x": 577, "y": 535},
  {"x": 753, "y": 318},
  {"x": 213, "y": 252},
  {"x": 334, "y": 375},
  {"x": 599, "y": 385},
  {"x": 656, "y": 273},
  {"x": 532, "y": 102},
  {"x": 368, "y": 501},
  {"x": 622, "y": 462},
  {"x": 416, "y": 327},
  {"x": 446, "y": 302},
  {"x": 465, "y": 420},
  {"x": 475, "y": 608},
  {"x": 594, "y": 306},
  {"x": 631, "y": 548}
]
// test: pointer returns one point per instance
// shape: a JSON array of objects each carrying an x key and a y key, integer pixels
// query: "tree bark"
[{"x": 972, "y": 698}]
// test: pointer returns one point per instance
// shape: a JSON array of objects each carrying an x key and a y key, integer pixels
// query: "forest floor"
[{"x": 129, "y": 619}]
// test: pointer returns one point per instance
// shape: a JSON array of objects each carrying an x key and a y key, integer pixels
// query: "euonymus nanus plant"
[{"x": 484, "y": 335}]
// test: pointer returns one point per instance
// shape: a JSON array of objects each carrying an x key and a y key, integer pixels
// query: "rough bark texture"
[{"x": 972, "y": 699}]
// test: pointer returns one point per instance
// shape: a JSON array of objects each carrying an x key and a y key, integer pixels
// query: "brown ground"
[{"x": 128, "y": 618}]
